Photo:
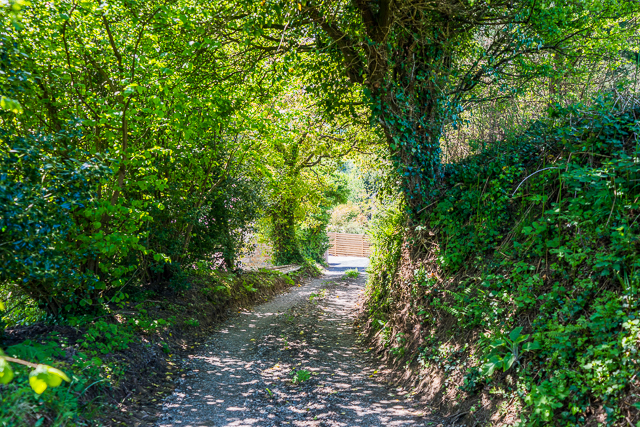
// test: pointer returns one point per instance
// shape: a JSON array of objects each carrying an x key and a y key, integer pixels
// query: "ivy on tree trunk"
[{"x": 286, "y": 249}]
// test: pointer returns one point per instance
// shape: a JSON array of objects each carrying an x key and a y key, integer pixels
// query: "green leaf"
[
  {"x": 36, "y": 379},
  {"x": 6, "y": 374},
  {"x": 508, "y": 361},
  {"x": 515, "y": 333},
  {"x": 521, "y": 338},
  {"x": 56, "y": 376},
  {"x": 531, "y": 346},
  {"x": 43, "y": 376},
  {"x": 498, "y": 343},
  {"x": 488, "y": 369},
  {"x": 8, "y": 104}
]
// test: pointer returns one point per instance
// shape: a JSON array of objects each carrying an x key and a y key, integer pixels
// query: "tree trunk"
[
  {"x": 286, "y": 249},
  {"x": 411, "y": 107},
  {"x": 229, "y": 252},
  {"x": 415, "y": 150}
]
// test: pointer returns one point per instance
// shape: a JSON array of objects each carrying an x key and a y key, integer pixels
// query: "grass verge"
[{"x": 123, "y": 361}]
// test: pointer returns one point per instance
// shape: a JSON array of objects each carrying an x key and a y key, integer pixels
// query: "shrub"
[
  {"x": 386, "y": 231},
  {"x": 45, "y": 196},
  {"x": 352, "y": 274},
  {"x": 540, "y": 226}
]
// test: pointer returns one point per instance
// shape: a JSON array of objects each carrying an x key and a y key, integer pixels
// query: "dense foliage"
[
  {"x": 173, "y": 161},
  {"x": 143, "y": 144},
  {"x": 45, "y": 196},
  {"x": 306, "y": 146},
  {"x": 137, "y": 156},
  {"x": 420, "y": 65},
  {"x": 531, "y": 246}
]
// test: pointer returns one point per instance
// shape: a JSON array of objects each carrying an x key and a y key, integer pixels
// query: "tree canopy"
[
  {"x": 420, "y": 64},
  {"x": 145, "y": 144}
]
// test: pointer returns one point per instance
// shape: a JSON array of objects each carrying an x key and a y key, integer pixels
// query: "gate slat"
[{"x": 347, "y": 244}]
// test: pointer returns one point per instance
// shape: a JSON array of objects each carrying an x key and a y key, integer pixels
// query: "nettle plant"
[{"x": 506, "y": 351}]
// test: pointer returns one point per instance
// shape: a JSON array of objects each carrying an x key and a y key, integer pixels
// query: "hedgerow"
[{"x": 523, "y": 275}]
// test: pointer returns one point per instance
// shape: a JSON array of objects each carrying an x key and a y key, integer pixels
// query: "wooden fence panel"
[{"x": 345, "y": 244}]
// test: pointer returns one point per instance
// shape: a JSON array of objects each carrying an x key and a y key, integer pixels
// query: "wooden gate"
[{"x": 345, "y": 244}]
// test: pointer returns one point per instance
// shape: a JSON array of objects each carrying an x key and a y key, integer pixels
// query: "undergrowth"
[
  {"x": 121, "y": 355},
  {"x": 523, "y": 275}
]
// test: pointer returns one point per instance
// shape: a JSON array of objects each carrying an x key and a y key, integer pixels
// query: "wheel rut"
[{"x": 243, "y": 375}]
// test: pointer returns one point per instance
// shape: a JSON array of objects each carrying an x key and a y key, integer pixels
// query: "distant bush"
[{"x": 349, "y": 218}]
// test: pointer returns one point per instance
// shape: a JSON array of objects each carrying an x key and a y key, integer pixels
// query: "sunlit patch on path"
[{"x": 243, "y": 376}]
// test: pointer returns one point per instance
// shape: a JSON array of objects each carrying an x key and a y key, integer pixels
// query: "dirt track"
[{"x": 242, "y": 376}]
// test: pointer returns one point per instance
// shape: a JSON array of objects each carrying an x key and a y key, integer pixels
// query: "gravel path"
[{"x": 242, "y": 377}]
